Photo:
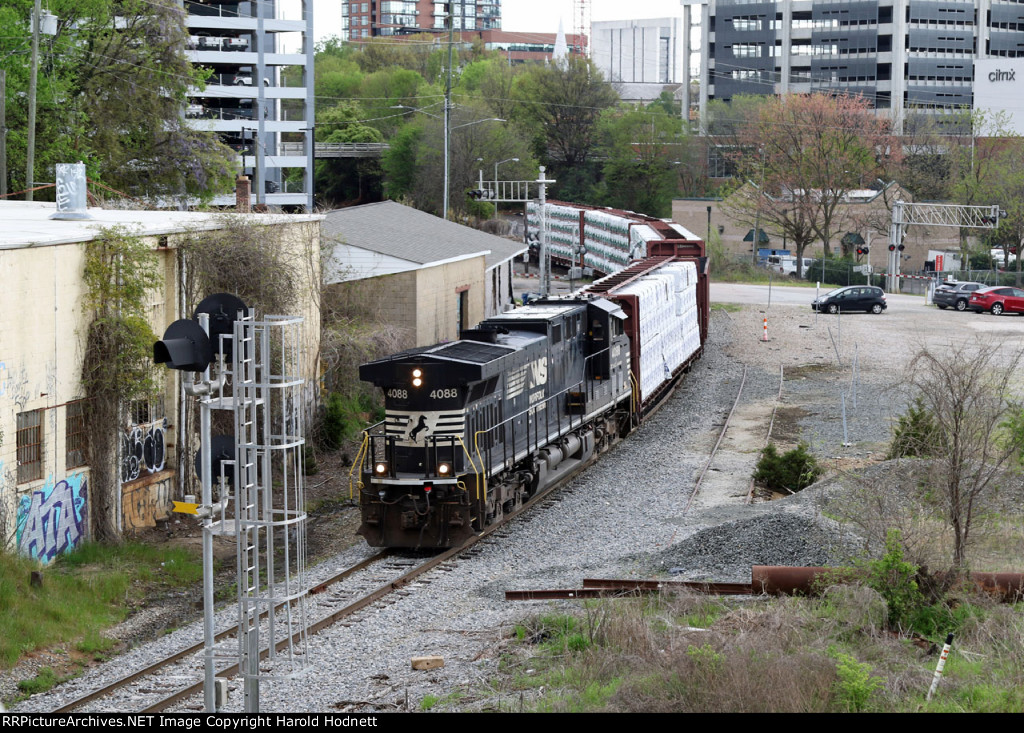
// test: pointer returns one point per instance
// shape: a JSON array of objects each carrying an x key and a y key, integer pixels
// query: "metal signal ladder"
[{"x": 246, "y": 401}]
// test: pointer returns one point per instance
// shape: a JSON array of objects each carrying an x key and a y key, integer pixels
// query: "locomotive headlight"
[
  {"x": 417, "y": 382},
  {"x": 443, "y": 469},
  {"x": 417, "y": 373},
  {"x": 417, "y": 377},
  {"x": 380, "y": 468}
]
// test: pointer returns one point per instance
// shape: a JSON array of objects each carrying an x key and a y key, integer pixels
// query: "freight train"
[{"x": 475, "y": 427}]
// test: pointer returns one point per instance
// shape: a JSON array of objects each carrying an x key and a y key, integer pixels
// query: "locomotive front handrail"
[{"x": 358, "y": 462}]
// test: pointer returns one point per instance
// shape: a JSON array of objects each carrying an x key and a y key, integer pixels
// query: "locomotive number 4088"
[{"x": 442, "y": 394}]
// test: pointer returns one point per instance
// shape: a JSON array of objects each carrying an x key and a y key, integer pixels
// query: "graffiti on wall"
[
  {"x": 14, "y": 386},
  {"x": 143, "y": 450},
  {"x": 51, "y": 520},
  {"x": 143, "y": 504}
]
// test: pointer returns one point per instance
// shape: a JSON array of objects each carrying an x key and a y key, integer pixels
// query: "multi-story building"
[
  {"x": 471, "y": 20},
  {"x": 643, "y": 58},
  {"x": 259, "y": 95},
  {"x": 365, "y": 19},
  {"x": 900, "y": 54},
  {"x": 639, "y": 51}
]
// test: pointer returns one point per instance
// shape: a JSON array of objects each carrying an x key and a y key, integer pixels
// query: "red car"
[{"x": 997, "y": 300}]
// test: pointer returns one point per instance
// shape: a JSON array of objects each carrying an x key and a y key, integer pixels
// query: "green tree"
[
  {"x": 561, "y": 104},
  {"x": 113, "y": 84},
  {"x": 342, "y": 180},
  {"x": 643, "y": 146}
]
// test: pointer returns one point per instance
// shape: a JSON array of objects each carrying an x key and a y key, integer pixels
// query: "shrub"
[
  {"x": 344, "y": 417},
  {"x": 896, "y": 580},
  {"x": 916, "y": 434},
  {"x": 792, "y": 471},
  {"x": 855, "y": 684}
]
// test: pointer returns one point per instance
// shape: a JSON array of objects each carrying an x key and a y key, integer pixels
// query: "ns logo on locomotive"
[{"x": 475, "y": 427}]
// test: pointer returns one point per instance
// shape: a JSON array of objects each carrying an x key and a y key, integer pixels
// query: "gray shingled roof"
[{"x": 410, "y": 234}]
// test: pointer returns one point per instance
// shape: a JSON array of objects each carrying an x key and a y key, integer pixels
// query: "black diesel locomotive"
[{"x": 475, "y": 427}]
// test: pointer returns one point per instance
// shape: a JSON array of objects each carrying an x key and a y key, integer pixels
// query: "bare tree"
[
  {"x": 803, "y": 153},
  {"x": 968, "y": 391}
]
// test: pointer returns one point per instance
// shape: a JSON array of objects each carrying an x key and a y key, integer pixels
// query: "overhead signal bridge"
[
  {"x": 505, "y": 192},
  {"x": 936, "y": 215}
]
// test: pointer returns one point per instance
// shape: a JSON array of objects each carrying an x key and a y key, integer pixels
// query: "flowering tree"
[{"x": 802, "y": 154}]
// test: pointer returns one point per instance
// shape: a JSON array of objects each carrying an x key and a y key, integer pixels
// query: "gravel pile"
[{"x": 726, "y": 552}]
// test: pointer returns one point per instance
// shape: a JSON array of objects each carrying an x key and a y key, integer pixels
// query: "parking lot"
[{"x": 886, "y": 342}]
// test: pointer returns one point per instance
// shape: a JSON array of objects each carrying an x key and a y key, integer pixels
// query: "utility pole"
[
  {"x": 542, "y": 254},
  {"x": 448, "y": 110},
  {"x": 3, "y": 133},
  {"x": 30, "y": 155}
]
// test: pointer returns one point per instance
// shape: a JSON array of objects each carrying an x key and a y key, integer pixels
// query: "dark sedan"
[
  {"x": 955, "y": 295},
  {"x": 854, "y": 298},
  {"x": 997, "y": 300}
]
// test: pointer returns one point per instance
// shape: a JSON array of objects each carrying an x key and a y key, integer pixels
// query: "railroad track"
[
  {"x": 187, "y": 656},
  {"x": 173, "y": 680}
]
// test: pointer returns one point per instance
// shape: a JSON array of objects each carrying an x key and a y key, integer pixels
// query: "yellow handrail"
[
  {"x": 634, "y": 393},
  {"x": 357, "y": 462},
  {"x": 482, "y": 472}
]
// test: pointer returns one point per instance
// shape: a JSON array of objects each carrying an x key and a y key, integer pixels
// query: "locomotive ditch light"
[
  {"x": 380, "y": 468},
  {"x": 443, "y": 469}
]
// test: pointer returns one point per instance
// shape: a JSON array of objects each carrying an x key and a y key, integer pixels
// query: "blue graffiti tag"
[{"x": 52, "y": 519}]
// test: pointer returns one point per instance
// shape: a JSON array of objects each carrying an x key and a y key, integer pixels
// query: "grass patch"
[
  {"x": 690, "y": 653},
  {"x": 82, "y": 593},
  {"x": 45, "y": 679},
  {"x": 727, "y": 307}
]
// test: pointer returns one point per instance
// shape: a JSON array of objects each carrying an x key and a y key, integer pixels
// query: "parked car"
[
  {"x": 955, "y": 294},
  {"x": 854, "y": 298},
  {"x": 997, "y": 300}
]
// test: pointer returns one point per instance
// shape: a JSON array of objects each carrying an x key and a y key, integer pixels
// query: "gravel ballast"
[{"x": 624, "y": 517}]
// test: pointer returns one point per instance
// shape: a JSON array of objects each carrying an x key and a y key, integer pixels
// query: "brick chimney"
[{"x": 243, "y": 195}]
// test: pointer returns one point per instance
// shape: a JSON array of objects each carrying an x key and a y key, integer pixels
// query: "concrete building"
[
  {"x": 258, "y": 109},
  {"x": 639, "y": 51},
  {"x": 416, "y": 271},
  {"x": 44, "y": 459},
  {"x": 900, "y": 54}
]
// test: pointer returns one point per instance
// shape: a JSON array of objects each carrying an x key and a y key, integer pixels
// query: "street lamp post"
[{"x": 507, "y": 160}]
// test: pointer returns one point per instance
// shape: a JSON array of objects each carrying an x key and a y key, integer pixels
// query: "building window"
[
  {"x": 30, "y": 445},
  {"x": 75, "y": 440}
]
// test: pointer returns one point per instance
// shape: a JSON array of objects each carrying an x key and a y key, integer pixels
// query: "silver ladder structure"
[{"x": 270, "y": 517}]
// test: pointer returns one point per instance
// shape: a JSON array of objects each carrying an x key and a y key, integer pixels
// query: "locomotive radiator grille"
[{"x": 413, "y": 429}]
